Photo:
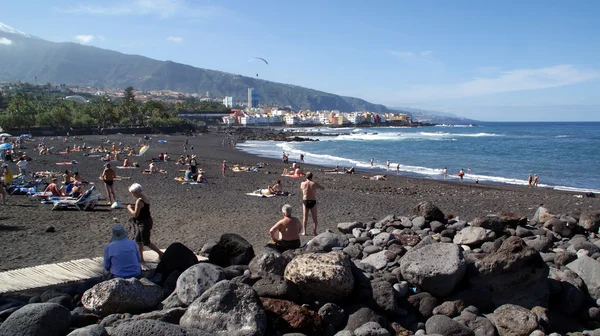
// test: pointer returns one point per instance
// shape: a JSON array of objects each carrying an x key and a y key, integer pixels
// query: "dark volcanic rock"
[
  {"x": 37, "y": 319},
  {"x": 177, "y": 257},
  {"x": 196, "y": 280},
  {"x": 268, "y": 262},
  {"x": 424, "y": 303},
  {"x": 276, "y": 287},
  {"x": 443, "y": 325},
  {"x": 429, "y": 211},
  {"x": 231, "y": 249},
  {"x": 359, "y": 315},
  {"x": 326, "y": 241},
  {"x": 590, "y": 221},
  {"x": 332, "y": 314}
]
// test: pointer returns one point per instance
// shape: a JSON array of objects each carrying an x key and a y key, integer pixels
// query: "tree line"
[{"x": 33, "y": 107}]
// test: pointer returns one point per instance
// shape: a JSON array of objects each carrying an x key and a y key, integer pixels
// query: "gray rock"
[
  {"x": 92, "y": 330},
  {"x": 490, "y": 222},
  {"x": 377, "y": 260},
  {"x": 276, "y": 287},
  {"x": 37, "y": 319},
  {"x": 381, "y": 239},
  {"x": 471, "y": 235},
  {"x": 539, "y": 243},
  {"x": 436, "y": 268},
  {"x": 152, "y": 327},
  {"x": 332, "y": 314},
  {"x": 324, "y": 276},
  {"x": 542, "y": 215},
  {"x": 122, "y": 295},
  {"x": 588, "y": 270},
  {"x": 372, "y": 249},
  {"x": 564, "y": 229},
  {"x": 359, "y": 315},
  {"x": 437, "y": 227},
  {"x": 357, "y": 233},
  {"x": 348, "y": 227},
  {"x": 419, "y": 223},
  {"x": 197, "y": 279},
  {"x": 354, "y": 251},
  {"x": 429, "y": 211},
  {"x": 407, "y": 223},
  {"x": 268, "y": 262},
  {"x": 385, "y": 221},
  {"x": 523, "y": 232},
  {"x": 443, "y": 325},
  {"x": 344, "y": 333},
  {"x": 590, "y": 221},
  {"x": 424, "y": 303},
  {"x": 326, "y": 241},
  {"x": 384, "y": 299},
  {"x": 513, "y": 320},
  {"x": 171, "y": 315},
  {"x": 371, "y": 329},
  {"x": 481, "y": 326},
  {"x": 449, "y": 308},
  {"x": 583, "y": 245},
  {"x": 227, "y": 308}
]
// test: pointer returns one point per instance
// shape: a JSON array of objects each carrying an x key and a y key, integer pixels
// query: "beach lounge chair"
[{"x": 85, "y": 202}]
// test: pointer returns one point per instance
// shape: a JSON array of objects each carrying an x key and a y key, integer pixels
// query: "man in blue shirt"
[{"x": 122, "y": 255}]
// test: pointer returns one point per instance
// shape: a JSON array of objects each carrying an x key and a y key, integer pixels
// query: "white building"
[
  {"x": 229, "y": 120},
  {"x": 291, "y": 119},
  {"x": 229, "y": 101}
]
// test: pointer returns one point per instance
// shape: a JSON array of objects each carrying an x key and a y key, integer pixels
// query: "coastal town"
[{"x": 250, "y": 112}]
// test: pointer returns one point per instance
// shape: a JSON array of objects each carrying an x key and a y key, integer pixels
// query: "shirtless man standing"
[
  {"x": 309, "y": 201},
  {"x": 289, "y": 227}
]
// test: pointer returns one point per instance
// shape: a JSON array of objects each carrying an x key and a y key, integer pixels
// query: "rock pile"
[{"x": 423, "y": 274}]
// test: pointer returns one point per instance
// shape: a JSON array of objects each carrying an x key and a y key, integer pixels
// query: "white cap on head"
[{"x": 136, "y": 187}]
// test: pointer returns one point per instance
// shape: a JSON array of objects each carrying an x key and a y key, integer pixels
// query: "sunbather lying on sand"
[
  {"x": 376, "y": 177},
  {"x": 348, "y": 171},
  {"x": 294, "y": 173},
  {"x": 334, "y": 170}
]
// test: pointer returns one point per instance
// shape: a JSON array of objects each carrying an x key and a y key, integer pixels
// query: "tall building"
[
  {"x": 252, "y": 98},
  {"x": 229, "y": 101}
]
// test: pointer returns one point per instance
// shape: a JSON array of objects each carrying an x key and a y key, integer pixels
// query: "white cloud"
[
  {"x": 84, "y": 39},
  {"x": 504, "y": 81},
  {"x": 175, "y": 39},
  {"x": 160, "y": 8},
  {"x": 5, "y": 41}
]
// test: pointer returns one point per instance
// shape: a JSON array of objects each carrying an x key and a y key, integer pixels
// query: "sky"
[{"x": 486, "y": 60}]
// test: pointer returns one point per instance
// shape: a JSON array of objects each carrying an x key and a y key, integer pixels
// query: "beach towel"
[
  {"x": 123, "y": 167},
  {"x": 259, "y": 195},
  {"x": 335, "y": 173},
  {"x": 66, "y": 163},
  {"x": 292, "y": 176},
  {"x": 193, "y": 183}
]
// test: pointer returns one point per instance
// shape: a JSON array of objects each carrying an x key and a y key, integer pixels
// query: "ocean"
[{"x": 565, "y": 155}]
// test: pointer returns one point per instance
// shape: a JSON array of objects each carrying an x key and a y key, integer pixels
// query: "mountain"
[
  {"x": 30, "y": 59},
  {"x": 434, "y": 117}
]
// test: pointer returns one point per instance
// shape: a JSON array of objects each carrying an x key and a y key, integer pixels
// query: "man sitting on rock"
[
  {"x": 289, "y": 228},
  {"x": 121, "y": 256}
]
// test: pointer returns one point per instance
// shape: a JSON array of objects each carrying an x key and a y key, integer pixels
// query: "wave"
[
  {"x": 273, "y": 149},
  {"x": 399, "y": 136}
]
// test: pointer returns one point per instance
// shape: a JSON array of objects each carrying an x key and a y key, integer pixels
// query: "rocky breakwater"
[{"x": 421, "y": 274}]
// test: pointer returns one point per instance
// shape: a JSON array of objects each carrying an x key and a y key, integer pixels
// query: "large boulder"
[
  {"x": 349, "y": 226},
  {"x": 512, "y": 320},
  {"x": 490, "y": 222},
  {"x": 428, "y": 211},
  {"x": 288, "y": 317},
  {"x": 196, "y": 280},
  {"x": 515, "y": 273},
  {"x": 177, "y": 257},
  {"x": 471, "y": 235},
  {"x": 443, "y": 325},
  {"x": 227, "y": 308},
  {"x": 323, "y": 276},
  {"x": 436, "y": 268},
  {"x": 151, "y": 327},
  {"x": 542, "y": 215},
  {"x": 268, "y": 262},
  {"x": 377, "y": 260},
  {"x": 332, "y": 314},
  {"x": 588, "y": 270},
  {"x": 122, "y": 296},
  {"x": 590, "y": 221},
  {"x": 564, "y": 229},
  {"x": 37, "y": 319},
  {"x": 326, "y": 241},
  {"x": 232, "y": 249}
]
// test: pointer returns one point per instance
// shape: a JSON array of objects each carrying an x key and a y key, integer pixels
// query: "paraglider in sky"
[{"x": 258, "y": 59}]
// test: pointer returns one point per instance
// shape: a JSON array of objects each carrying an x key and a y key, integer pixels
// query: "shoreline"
[{"x": 194, "y": 215}]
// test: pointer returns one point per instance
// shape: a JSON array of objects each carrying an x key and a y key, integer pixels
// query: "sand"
[{"x": 193, "y": 214}]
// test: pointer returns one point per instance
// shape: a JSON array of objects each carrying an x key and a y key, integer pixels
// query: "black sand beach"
[{"x": 192, "y": 214}]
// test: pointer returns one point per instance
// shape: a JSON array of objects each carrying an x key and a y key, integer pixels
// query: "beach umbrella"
[
  {"x": 6, "y": 146},
  {"x": 144, "y": 149},
  {"x": 5, "y": 135}
]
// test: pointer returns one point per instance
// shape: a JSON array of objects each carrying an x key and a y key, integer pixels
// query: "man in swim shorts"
[
  {"x": 309, "y": 201},
  {"x": 289, "y": 227}
]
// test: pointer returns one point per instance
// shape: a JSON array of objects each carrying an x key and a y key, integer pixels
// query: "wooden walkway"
[{"x": 60, "y": 273}]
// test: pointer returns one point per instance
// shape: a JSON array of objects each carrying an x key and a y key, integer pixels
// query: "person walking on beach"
[
  {"x": 2, "y": 187},
  {"x": 309, "y": 201},
  {"x": 387, "y": 164},
  {"x": 108, "y": 176},
  {"x": 535, "y": 180},
  {"x": 529, "y": 180},
  {"x": 142, "y": 220},
  {"x": 302, "y": 158},
  {"x": 223, "y": 168},
  {"x": 373, "y": 159},
  {"x": 445, "y": 172},
  {"x": 289, "y": 227},
  {"x": 461, "y": 174},
  {"x": 398, "y": 169}
]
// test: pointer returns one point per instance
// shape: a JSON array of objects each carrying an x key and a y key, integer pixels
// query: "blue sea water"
[{"x": 565, "y": 155}]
